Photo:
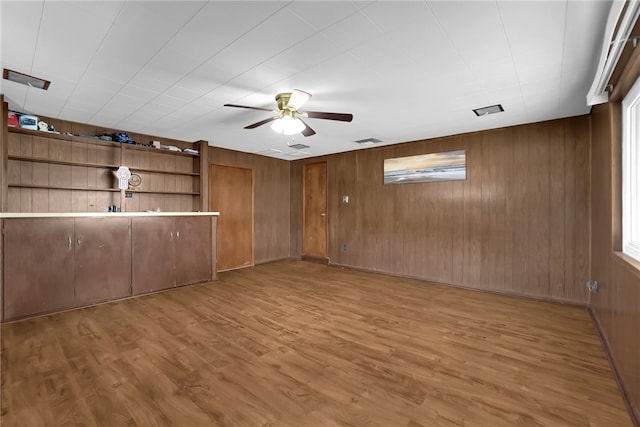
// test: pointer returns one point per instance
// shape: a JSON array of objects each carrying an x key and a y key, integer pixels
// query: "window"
[{"x": 631, "y": 172}]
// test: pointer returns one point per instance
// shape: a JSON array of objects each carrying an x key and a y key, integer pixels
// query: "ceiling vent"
[
  {"x": 299, "y": 146},
  {"x": 25, "y": 79},
  {"x": 488, "y": 110},
  {"x": 297, "y": 153},
  {"x": 269, "y": 152},
  {"x": 368, "y": 141}
]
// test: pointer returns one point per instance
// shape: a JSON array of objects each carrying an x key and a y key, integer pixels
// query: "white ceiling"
[{"x": 406, "y": 70}]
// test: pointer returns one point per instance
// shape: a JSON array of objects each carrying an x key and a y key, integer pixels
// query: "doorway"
[
  {"x": 231, "y": 194},
  {"x": 314, "y": 208}
]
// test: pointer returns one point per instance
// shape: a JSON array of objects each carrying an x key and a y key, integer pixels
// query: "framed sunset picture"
[{"x": 444, "y": 166}]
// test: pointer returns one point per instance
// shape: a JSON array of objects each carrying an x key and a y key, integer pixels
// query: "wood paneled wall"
[
  {"x": 518, "y": 224},
  {"x": 271, "y": 201},
  {"x": 616, "y": 306},
  {"x": 3, "y": 189}
]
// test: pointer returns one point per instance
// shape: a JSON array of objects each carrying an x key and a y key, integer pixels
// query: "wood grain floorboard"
[{"x": 301, "y": 344}]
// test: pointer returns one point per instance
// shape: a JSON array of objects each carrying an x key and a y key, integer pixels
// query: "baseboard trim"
[
  {"x": 468, "y": 288},
  {"x": 269, "y": 261},
  {"x": 635, "y": 417},
  {"x": 314, "y": 259}
]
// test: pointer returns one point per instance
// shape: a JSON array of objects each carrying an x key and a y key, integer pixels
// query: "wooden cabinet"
[
  {"x": 193, "y": 250},
  {"x": 38, "y": 266},
  {"x": 152, "y": 254},
  {"x": 170, "y": 251},
  {"x": 52, "y": 264},
  {"x": 102, "y": 259}
]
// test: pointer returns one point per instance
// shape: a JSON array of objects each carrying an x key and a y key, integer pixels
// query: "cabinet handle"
[
  {"x": 78, "y": 242},
  {"x": 177, "y": 234},
  {"x": 170, "y": 235},
  {"x": 69, "y": 241}
]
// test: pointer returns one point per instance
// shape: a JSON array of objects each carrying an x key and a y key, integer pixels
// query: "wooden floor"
[{"x": 301, "y": 344}]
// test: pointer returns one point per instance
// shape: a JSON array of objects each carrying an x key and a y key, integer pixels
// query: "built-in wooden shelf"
[
  {"x": 164, "y": 172},
  {"x": 62, "y": 187},
  {"x": 97, "y": 141},
  {"x": 97, "y": 165},
  {"x": 185, "y": 193},
  {"x": 80, "y": 171},
  {"x": 63, "y": 162}
]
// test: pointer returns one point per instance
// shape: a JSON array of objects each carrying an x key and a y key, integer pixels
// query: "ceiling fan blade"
[
  {"x": 247, "y": 107},
  {"x": 298, "y": 98},
  {"x": 342, "y": 117},
  {"x": 307, "y": 131},
  {"x": 260, "y": 123}
]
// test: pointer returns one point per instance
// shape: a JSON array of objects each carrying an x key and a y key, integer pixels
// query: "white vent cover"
[
  {"x": 299, "y": 146},
  {"x": 269, "y": 152},
  {"x": 492, "y": 109},
  {"x": 368, "y": 141}
]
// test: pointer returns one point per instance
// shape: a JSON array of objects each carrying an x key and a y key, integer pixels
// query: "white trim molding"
[{"x": 631, "y": 172}]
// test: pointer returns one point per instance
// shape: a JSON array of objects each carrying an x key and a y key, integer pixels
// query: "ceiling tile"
[
  {"x": 20, "y": 26},
  {"x": 217, "y": 25},
  {"x": 319, "y": 16},
  {"x": 355, "y": 30},
  {"x": 264, "y": 41}
]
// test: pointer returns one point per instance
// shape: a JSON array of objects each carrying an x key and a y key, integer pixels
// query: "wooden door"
[
  {"x": 314, "y": 207},
  {"x": 102, "y": 260},
  {"x": 152, "y": 254},
  {"x": 231, "y": 194},
  {"x": 193, "y": 249},
  {"x": 38, "y": 266}
]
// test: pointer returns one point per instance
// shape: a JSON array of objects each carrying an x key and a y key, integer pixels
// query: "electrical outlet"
[
  {"x": 345, "y": 199},
  {"x": 344, "y": 247},
  {"x": 128, "y": 195}
]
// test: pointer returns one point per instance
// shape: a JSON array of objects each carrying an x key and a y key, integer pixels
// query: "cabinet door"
[
  {"x": 152, "y": 254},
  {"x": 193, "y": 249},
  {"x": 102, "y": 260},
  {"x": 38, "y": 266}
]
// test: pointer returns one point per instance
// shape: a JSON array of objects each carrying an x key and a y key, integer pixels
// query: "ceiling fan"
[{"x": 288, "y": 120}]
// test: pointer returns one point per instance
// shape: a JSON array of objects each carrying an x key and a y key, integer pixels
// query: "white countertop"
[{"x": 99, "y": 214}]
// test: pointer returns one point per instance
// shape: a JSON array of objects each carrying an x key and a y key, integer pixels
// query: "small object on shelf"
[
  {"x": 28, "y": 122},
  {"x": 120, "y": 137},
  {"x": 12, "y": 119},
  {"x": 43, "y": 126},
  {"x": 170, "y": 148},
  {"x": 191, "y": 151},
  {"x": 123, "y": 173},
  {"x": 135, "y": 181},
  {"x": 155, "y": 144}
]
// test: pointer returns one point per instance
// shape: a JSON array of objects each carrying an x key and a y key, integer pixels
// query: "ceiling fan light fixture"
[{"x": 287, "y": 125}]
